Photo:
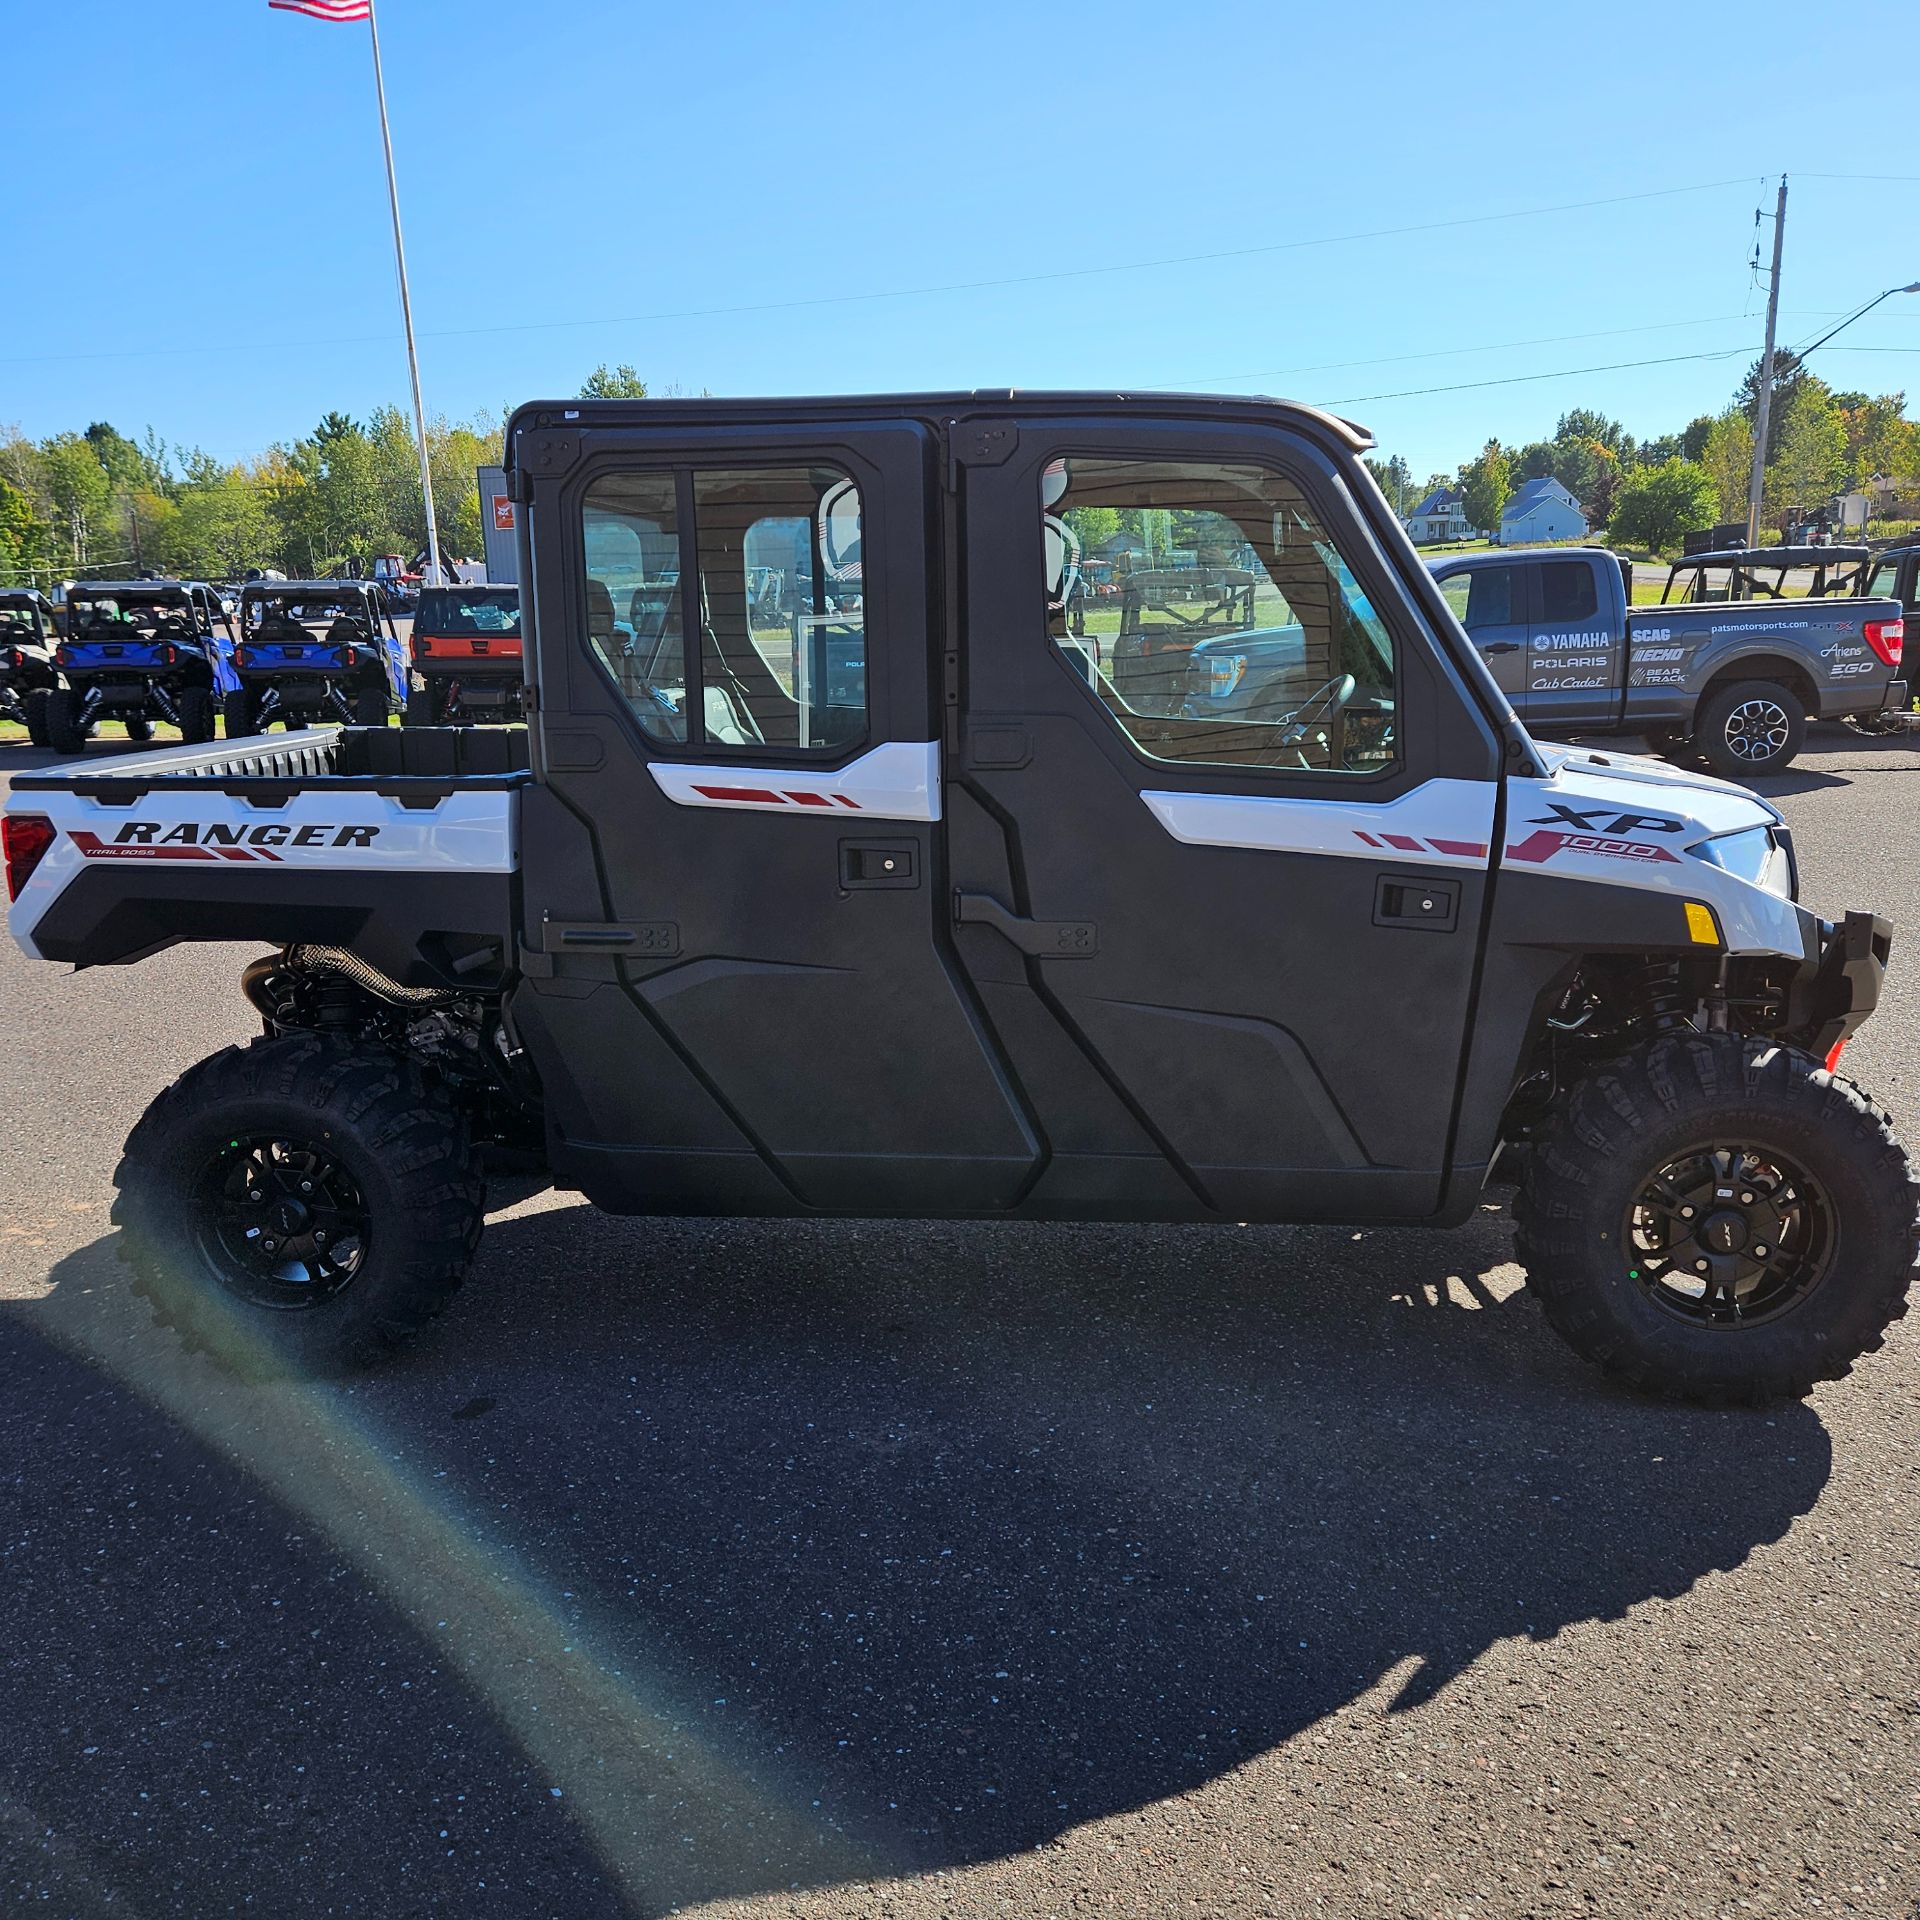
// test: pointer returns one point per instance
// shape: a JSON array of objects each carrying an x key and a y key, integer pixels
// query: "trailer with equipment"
[{"x": 938, "y": 921}]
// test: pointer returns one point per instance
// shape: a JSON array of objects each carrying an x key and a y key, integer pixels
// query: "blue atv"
[
  {"x": 137, "y": 651},
  {"x": 313, "y": 651}
]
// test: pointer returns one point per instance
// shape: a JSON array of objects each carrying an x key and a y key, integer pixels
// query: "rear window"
[
  {"x": 1567, "y": 591},
  {"x": 467, "y": 615}
]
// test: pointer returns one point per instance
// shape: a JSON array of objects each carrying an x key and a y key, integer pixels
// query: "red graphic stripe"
[
  {"x": 1404, "y": 841},
  {"x": 95, "y": 848},
  {"x": 747, "y": 796},
  {"x": 810, "y": 799},
  {"x": 1461, "y": 849}
]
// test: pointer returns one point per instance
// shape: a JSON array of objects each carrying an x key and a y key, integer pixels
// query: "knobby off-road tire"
[
  {"x": 423, "y": 709},
  {"x": 138, "y": 727},
  {"x": 1750, "y": 729},
  {"x": 65, "y": 734},
  {"x": 371, "y": 708},
  {"x": 237, "y": 714},
  {"x": 197, "y": 715},
  {"x": 1805, "y": 1157},
  {"x": 36, "y": 706},
  {"x": 393, "y": 1195}
]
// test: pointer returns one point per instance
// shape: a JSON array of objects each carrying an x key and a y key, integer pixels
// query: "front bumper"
[{"x": 1839, "y": 982}]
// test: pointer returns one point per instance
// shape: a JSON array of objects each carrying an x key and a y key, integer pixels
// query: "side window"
[
  {"x": 778, "y": 660},
  {"x": 1567, "y": 591},
  {"x": 1481, "y": 597},
  {"x": 783, "y": 637},
  {"x": 1213, "y": 617},
  {"x": 632, "y": 546}
]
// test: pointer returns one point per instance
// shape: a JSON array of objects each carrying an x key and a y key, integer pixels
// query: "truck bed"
[{"x": 402, "y": 843}]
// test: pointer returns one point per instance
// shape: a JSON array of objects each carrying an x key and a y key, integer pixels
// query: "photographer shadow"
[{"x": 878, "y": 1547}]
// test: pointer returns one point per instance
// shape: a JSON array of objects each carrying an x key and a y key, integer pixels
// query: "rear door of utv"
[
  {"x": 743, "y": 995},
  {"x": 1229, "y": 954}
]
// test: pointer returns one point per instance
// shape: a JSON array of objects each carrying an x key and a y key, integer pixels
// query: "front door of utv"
[
  {"x": 733, "y": 869},
  {"x": 1223, "y": 915}
]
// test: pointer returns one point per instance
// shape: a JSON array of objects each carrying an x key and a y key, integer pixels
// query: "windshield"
[{"x": 463, "y": 616}]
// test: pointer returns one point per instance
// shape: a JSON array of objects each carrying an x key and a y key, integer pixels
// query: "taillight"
[
  {"x": 26, "y": 838},
  {"x": 16, "y": 659},
  {"x": 170, "y": 656},
  {"x": 1886, "y": 638},
  {"x": 59, "y": 656},
  {"x": 351, "y": 656},
  {"x": 422, "y": 646}
]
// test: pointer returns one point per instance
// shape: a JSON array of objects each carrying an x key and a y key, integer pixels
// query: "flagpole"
[{"x": 406, "y": 311}]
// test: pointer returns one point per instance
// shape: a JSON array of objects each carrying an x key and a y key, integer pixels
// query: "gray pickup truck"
[{"x": 1734, "y": 681}]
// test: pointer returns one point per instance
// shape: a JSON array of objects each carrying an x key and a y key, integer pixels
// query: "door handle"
[
  {"x": 1045, "y": 939},
  {"x": 1501, "y": 646}
]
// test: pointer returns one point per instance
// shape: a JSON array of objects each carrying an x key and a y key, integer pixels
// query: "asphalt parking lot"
[{"x": 862, "y": 1568}]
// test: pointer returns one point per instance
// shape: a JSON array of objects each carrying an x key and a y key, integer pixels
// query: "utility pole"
[{"x": 1756, "y": 480}]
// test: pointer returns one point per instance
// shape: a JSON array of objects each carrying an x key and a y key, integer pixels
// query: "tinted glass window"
[
  {"x": 466, "y": 614},
  {"x": 1213, "y": 617},
  {"x": 632, "y": 549},
  {"x": 1567, "y": 591},
  {"x": 783, "y": 641}
]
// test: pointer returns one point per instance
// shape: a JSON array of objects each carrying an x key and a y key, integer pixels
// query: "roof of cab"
[
  {"x": 989, "y": 402},
  {"x": 308, "y": 589},
  {"x": 127, "y": 589}
]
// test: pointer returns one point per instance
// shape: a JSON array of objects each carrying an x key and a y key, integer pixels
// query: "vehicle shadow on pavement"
[{"x": 711, "y": 1558}]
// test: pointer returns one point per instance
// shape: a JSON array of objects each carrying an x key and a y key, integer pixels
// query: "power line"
[
  {"x": 1521, "y": 379},
  {"x": 900, "y": 293}
]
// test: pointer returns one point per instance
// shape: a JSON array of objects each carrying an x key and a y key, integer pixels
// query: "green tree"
[
  {"x": 1810, "y": 456},
  {"x": 1788, "y": 373},
  {"x": 1395, "y": 479},
  {"x": 79, "y": 488},
  {"x": 1693, "y": 441},
  {"x": 1654, "y": 506},
  {"x": 1586, "y": 424},
  {"x": 613, "y": 383},
  {"x": 1726, "y": 457},
  {"x": 1485, "y": 484}
]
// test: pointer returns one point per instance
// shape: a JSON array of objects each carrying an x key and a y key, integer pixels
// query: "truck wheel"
[
  {"x": 139, "y": 727},
  {"x": 299, "y": 1205},
  {"x": 1754, "y": 727},
  {"x": 236, "y": 714},
  {"x": 36, "y": 713},
  {"x": 421, "y": 705},
  {"x": 370, "y": 708},
  {"x": 65, "y": 734},
  {"x": 1719, "y": 1219},
  {"x": 196, "y": 716}
]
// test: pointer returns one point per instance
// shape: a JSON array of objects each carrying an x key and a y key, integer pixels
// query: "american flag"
[{"x": 327, "y": 9}]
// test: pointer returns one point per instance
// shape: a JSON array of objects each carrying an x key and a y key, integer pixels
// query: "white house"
[
  {"x": 1539, "y": 510},
  {"x": 1442, "y": 515}
]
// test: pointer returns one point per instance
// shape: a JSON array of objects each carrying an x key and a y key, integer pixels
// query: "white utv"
[{"x": 835, "y": 873}]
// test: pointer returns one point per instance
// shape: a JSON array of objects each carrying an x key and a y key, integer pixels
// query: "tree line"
[
  {"x": 1648, "y": 493},
  {"x": 102, "y": 504}
]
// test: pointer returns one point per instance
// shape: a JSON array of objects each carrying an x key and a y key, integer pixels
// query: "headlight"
[
  {"x": 1762, "y": 856},
  {"x": 1224, "y": 671}
]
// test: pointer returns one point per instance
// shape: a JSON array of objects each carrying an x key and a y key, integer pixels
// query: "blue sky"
[{"x": 587, "y": 180}]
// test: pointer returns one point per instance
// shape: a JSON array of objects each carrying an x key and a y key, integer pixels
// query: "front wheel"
[
  {"x": 300, "y": 1205},
  {"x": 370, "y": 707},
  {"x": 36, "y": 716},
  {"x": 237, "y": 714},
  {"x": 1749, "y": 729},
  {"x": 1719, "y": 1219}
]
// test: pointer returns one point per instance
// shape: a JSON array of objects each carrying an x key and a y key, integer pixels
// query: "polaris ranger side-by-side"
[
  {"x": 466, "y": 647},
  {"x": 313, "y": 650},
  {"x": 138, "y": 651},
  {"x": 937, "y": 921},
  {"x": 29, "y": 633}
]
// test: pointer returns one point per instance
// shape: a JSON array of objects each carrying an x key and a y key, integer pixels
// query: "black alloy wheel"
[
  {"x": 281, "y": 1223},
  {"x": 1729, "y": 1235}
]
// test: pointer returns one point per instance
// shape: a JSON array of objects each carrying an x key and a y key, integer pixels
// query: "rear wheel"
[
  {"x": 370, "y": 708},
  {"x": 1719, "y": 1219},
  {"x": 236, "y": 714},
  {"x": 1751, "y": 728},
  {"x": 36, "y": 716},
  {"x": 196, "y": 716},
  {"x": 65, "y": 731},
  {"x": 300, "y": 1205},
  {"x": 423, "y": 708}
]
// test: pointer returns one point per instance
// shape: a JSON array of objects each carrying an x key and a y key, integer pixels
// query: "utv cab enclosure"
[
  {"x": 466, "y": 646},
  {"x": 313, "y": 650},
  {"x": 29, "y": 633},
  {"x": 849, "y": 872},
  {"x": 138, "y": 651}
]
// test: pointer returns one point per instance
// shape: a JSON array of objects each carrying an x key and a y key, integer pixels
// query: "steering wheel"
[{"x": 1319, "y": 710}]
